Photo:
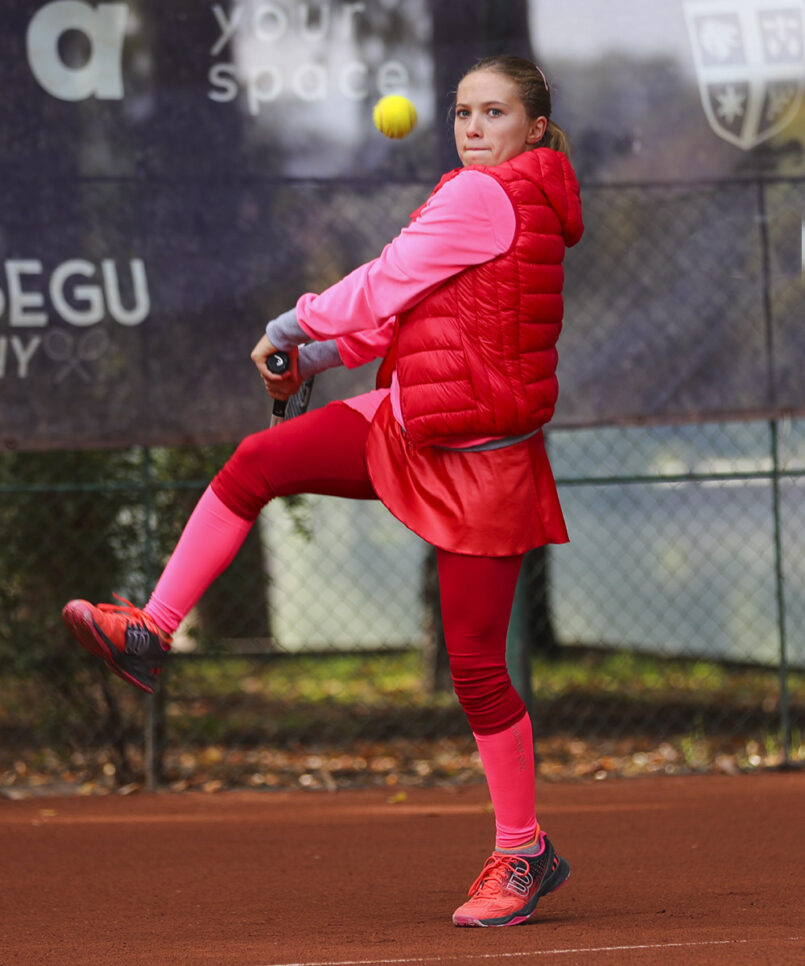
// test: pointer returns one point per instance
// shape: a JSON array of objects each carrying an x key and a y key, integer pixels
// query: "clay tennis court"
[{"x": 693, "y": 870}]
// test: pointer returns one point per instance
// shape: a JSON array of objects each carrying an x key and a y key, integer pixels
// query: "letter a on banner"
[{"x": 104, "y": 27}]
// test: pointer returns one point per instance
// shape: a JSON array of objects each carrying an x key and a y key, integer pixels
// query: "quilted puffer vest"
[{"x": 478, "y": 355}]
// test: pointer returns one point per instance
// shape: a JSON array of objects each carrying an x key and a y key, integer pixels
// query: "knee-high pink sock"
[
  {"x": 508, "y": 760},
  {"x": 211, "y": 538}
]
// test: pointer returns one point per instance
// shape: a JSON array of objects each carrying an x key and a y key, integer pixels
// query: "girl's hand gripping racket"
[{"x": 294, "y": 405}]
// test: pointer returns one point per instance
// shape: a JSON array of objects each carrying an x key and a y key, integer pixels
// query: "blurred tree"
[{"x": 58, "y": 545}]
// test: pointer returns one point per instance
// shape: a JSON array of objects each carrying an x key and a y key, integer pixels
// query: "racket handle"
[
  {"x": 278, "y": 411},
  {"x": 278, "y": 363}
]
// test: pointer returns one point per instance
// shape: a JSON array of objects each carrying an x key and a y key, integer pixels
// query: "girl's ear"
[{"x": 536, "y": 130}]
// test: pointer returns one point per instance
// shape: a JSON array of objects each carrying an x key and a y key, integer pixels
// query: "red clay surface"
[{"x": 687, "y": 870}]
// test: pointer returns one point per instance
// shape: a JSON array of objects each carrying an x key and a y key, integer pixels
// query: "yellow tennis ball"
[{"x": 395, "y": 116}]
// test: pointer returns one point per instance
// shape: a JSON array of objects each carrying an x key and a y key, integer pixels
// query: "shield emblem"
[{"x": 750, "y": 64}]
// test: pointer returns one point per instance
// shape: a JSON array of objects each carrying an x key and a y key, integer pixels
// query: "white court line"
[{"x": 464, "y": 958}]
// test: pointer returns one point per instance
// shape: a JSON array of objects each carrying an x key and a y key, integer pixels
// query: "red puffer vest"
[{"x": 477, "y": 357}]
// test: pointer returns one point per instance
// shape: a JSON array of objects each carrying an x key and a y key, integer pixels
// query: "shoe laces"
[
  {"x": 135, "y": 617},
  {"x": 497, "y": 868}
]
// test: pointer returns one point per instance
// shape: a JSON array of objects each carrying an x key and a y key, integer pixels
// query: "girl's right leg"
[{"x": 320, "y": 452}]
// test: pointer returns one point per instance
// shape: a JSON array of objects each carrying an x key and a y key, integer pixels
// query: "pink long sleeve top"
[
  {"x": 468, "y": 221},
  {"x": 491, "y": 501}
]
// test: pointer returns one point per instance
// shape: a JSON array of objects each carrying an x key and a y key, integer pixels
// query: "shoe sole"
[
  {"x": 78, "y": 620},
  {"x": 558, "y": 877}
]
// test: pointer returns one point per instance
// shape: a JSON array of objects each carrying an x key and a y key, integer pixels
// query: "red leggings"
[{"x": 324, "y": 452}]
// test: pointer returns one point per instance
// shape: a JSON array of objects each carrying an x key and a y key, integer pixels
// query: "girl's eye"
[
  {"x": 462, "y": 112},
  {"x": 495, "y": 111}
]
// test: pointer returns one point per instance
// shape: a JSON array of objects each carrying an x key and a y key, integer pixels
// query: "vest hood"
[{"x": 558, "y": 181}]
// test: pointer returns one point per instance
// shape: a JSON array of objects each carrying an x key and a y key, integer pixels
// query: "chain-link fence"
[{"x": 665, "y": 637}]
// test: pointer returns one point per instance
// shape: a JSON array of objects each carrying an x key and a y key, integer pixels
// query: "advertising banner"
[{"x": 177, "y": 173}]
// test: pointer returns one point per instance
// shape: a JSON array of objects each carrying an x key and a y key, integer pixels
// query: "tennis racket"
[{"x": 294, "y": 405}]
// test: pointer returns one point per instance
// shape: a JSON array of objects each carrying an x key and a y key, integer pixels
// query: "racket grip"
[{"x": 278, "y": 363}]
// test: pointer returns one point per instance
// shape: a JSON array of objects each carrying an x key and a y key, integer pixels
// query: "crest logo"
[{"x": 750, "y": 64}]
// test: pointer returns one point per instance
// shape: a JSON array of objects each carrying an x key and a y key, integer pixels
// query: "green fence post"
[
  {"x": 154, "y": 703},
  {"x": 785, "y": 711},
  {"x": 518, "y": 649}
]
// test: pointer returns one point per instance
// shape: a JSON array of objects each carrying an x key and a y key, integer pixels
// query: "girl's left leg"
[{"x": 477, "y": 595}]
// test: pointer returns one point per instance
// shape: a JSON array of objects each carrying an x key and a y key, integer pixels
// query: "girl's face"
[{"x": 491, "y": 124}]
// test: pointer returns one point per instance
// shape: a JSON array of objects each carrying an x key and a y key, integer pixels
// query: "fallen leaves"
[{"x": 396, "y": 764}]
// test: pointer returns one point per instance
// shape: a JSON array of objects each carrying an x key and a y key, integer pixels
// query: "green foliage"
[
  {"x": 63, "y": 536},
  {"x": 92, "y": 525}
]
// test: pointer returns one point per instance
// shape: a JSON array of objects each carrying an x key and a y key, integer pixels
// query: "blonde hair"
[{"x": 534, "y": 92}]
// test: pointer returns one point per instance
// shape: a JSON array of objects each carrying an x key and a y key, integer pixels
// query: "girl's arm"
[
  {"x": 351, "y": 350},
  {"x": 468, "y": 221}
]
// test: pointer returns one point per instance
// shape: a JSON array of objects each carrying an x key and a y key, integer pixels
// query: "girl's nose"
[{"x": 474, "y": 126}]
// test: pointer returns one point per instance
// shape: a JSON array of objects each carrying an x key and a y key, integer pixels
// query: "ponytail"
[{"x": 555, "y": 138}]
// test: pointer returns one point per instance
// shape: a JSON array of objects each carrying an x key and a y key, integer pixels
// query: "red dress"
[
  {"x": 493, "y": 503},
  {"x": 493, "y": 357}
]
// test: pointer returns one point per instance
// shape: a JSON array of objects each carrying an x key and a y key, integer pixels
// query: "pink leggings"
[{"x": 323, "y": 452}]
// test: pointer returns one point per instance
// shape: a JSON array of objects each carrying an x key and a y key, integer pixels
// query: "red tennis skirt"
[{"x": 492, "y": 503}]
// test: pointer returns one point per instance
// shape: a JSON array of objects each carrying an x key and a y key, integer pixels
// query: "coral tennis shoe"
[
  {"x": 509, "y": 886},
  {"x": 127, "y": 638}
]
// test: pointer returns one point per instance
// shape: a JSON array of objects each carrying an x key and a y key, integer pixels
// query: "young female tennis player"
[{"x": 465, "y": 307}]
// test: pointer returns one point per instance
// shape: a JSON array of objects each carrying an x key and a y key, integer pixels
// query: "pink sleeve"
[
  {"x": 467, "y": 222},
  {"x": 358, "y": 348}
]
